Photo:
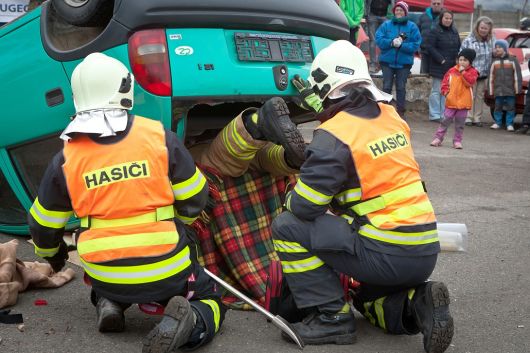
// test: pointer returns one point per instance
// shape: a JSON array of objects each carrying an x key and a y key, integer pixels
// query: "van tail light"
[{"x": 148, "y": 55}]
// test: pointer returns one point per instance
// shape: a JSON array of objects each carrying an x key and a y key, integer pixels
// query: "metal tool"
[{"x": 277, "y": 320}]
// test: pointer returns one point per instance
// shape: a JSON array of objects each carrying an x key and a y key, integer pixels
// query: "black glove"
[
  {"x": 308, "y": 99},
  {"x": 58, "y": 260}
]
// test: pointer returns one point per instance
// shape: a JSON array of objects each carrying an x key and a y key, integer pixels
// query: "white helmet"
[
  {"x": 337, "y": 65},
  {"x": 102, "y": 82}
]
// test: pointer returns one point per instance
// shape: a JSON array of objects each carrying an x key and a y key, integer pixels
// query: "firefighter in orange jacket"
[
  {"x": 134, "y": 186},
  {"x": 361, "y": 164}
]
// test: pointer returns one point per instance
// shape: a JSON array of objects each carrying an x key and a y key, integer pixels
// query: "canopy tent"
[{"x": 460, "y": 6}]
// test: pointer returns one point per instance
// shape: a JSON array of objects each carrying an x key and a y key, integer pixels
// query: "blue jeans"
[
  {"x": 506, "y": 103},
  {"x": 401, "y": 76},
  {"x": 373, "y": 22},
  {"x": 436, "y": 100}
]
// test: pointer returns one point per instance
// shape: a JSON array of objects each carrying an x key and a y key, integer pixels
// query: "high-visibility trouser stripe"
[
  {"x": 347, "y": 196},
  {"x": 276, "y": 154},
  {"x": 288, "y": 246},
  {"x": 347, "y": 218},
  {"x": 288, "y": 200},
  {"x": 236, "y": 144},
  {"x": 382, "y": 201},
  {"x": 403, "y": 238},
  {"x": 190, "y": 187},
  {"x": 186, "y": 220},
  {"x": 126, "y": 241},
  {"x": 311, "y": 194},
  {"x": 141, "y": 273},
  {"x": 402, "y": 213},
  {"x": 367, "y": 314},
  {"x": 304, "y": 265},
  {"x": 216, "y": 311},
  {"x": 410, "y": 293},
  {"x": 42, "y": 252},
  {"x": 47, "y": 218},
  {"x": 380, "y": 312}
]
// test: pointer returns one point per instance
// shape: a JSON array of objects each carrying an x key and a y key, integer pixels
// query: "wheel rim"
[{"x": 75, "y": 3}]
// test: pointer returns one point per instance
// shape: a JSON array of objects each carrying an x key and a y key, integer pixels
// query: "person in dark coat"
[
  {"x": 426, "y": 22},
  {"x": 443, "y": 46}
]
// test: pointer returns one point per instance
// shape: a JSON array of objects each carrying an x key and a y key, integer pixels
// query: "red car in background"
[{"x": 518, "y": 46}]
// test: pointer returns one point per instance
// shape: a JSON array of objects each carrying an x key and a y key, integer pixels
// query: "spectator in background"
[
  {"x": 481, "y": 41},
  {"x": 376, "y": 14},
  {"x": 505, "y": 82},
  {"x": 443, "y": 46},
  {"x": 427, "y": 21},
  {"x": 398, "y": 40},
  {"x": 354, "y": 11}
]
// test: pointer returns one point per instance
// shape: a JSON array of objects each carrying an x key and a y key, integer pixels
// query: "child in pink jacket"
[{"x": 457, "y": 87}]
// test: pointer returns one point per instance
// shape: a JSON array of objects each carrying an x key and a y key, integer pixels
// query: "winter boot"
[
  {"x": 274, "y": 123},
  {"x": 430, "y": 306},
  {"x": 319, "y": 328},
  {"x": 174, "y": 330},
  {"x": 109, "y": 316}
]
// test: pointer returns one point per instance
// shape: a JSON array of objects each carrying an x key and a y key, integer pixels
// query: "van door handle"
[{"x": 54, "y": 97}]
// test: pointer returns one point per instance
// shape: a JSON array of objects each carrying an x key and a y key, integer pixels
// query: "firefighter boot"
[
  {"x": 274, "y": 123},
  {"x": 430, "y": 306},
  {"x": 109, "y": 316},
  {"x": 174, "y": 330},
  {"x": 320, "y": 328}
]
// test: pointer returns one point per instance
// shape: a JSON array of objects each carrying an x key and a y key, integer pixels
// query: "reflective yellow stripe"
[
  {"x": 347, "y": 218},
  {"x": 380, "y": 312},
  {"x": 403, "y": 213},
  {"x": 276, "y": 154},
  {"x": 430, "y": 236},
  {"x": 42, "y": 252},
  {"x": 47, "y": 218},
  {"x": 350, "y": 195},
  {"x": 288, "y": 201},
  {"x": 141, "y": 273},
  {"x": 378, "y": 203},
  {"x": 367, "y": 314},
  {"x": 288, "y": 246},
  {"x": 160, "y": 214},
  {"x": 410, "y": 293},
  {"x": 310, "y": 194},
  {"x": 186, "y": 220},
  {"x": 216, "y": 311},
  {"x": 302, "y": 265},
  {"x": 230, "y": 135},
  {"x": 127, "y": 241},
  {"x": 190, "y": 187}
]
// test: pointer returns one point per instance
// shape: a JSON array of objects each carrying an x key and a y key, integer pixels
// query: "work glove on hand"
[
  {"x": 396, "y": 43},
  {"x": 308, "y": 99},
  {"x": 58, "y": 260}
]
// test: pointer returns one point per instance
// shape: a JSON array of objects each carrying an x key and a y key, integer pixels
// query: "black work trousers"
[{"x": 313, "y": 253}]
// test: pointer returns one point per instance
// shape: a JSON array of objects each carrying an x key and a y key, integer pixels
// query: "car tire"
[
  {"x": 84, "y": 13},
  {"x": 492, "y": 110}
]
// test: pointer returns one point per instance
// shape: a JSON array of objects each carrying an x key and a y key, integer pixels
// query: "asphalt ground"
[{"x": 485, "y": 186}]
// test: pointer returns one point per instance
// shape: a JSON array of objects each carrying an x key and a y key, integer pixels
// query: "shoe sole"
[
  {"x": 443, "y": 325},
  {"x": 349, "y": 338},
  {"x": 285, "y": 130},
  {"x": 173, "y": 330}
]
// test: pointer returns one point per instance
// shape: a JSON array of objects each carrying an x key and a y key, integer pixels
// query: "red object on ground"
[{"x": 40, "y": 302}]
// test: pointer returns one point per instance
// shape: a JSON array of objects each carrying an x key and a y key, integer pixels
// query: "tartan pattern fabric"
[{"x": 235, "y": 235}]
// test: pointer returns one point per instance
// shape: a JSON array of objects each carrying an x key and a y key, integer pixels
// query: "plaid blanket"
[{"x": 234, "y": 232}]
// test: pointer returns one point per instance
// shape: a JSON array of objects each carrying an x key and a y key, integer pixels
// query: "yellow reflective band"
[
  {"x": 241, "y": 142},
  {"x": 47, "y": 218},
  {"x": 127, "y": 241},
  {"x": 288, "y": 246},
  {"x": 347, "y": 218},
  {"x": 367, "y": 314},
  {"x": 380, "y": 312},
  {"x": 247, "y": 151},
  {"x": 350, "y": 195},
  {"x": 141, "y": 273},
  {"x": 42, "y": 252},
  {"x": 410, "y": 293},
  {"x": 302, "y": 265},
  {"x": 190, "y": 187},
  {"x": 310, "y": 194},
  {"x": 160, "y": 214},
  {"x": 186, "y": 220},
  {"x": 288, "y": 201},
  {"x": 369, "y": 231},
  {"x": 216, "y": 311},
  {"x": 380, "y": 202},
  {"x": 276, "y": 154},
  {"x": 403, "y": 213}
]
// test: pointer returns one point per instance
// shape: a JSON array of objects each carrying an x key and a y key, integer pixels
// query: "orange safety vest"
[
  {"x": 122, "y": 193},
  {"x": 392, "y": 194}
]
